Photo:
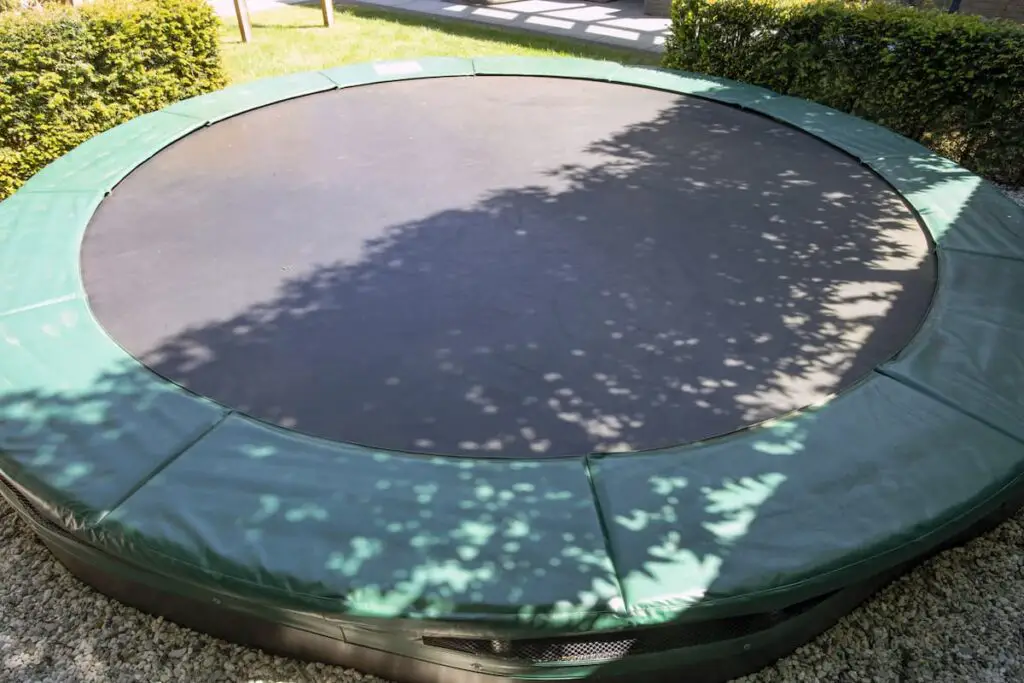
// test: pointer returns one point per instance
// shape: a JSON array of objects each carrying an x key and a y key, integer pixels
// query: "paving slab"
[{"x": 620, "y": 23}]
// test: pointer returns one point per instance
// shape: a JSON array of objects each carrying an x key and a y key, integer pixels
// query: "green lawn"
[{"x": 293, "y": 39}]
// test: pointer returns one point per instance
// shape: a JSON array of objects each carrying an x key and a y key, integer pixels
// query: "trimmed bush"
[
  {"x": 952, "y": 82},
  {"x": 69, "y": 74}
]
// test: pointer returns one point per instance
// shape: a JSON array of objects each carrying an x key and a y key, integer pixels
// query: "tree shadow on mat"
[{"x": 796, "y": 304}]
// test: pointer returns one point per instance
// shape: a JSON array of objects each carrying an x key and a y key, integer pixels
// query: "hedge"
[
  {"x": 68, "y": 74},
  {"x": 952, "y": 82}
]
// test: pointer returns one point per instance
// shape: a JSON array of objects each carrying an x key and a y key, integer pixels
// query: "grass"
[{"x": 293, "y": 39}]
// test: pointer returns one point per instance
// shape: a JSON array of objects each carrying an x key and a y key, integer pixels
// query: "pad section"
[
  {"x": 970, "y": 352},
  {"x": 101, "y": 162},
  {"x": 341, "y": 529},
  {"x": 81, "y": 423},
  {"x": 800, "y": 506},
  {"x": 40, "y": 234}
]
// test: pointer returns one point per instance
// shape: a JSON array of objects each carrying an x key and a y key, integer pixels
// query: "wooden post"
[
  {"x": 244, "y": 25},
  {"x": 327, "y": 7}
]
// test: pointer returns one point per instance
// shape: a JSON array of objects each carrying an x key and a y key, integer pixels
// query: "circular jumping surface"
[
  {"x": 507, "y": 368},
  {"x": 513, "y": 267}
]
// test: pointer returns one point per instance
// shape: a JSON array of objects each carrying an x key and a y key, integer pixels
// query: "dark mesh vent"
[
  {"x": 23, "y": 505},
  {"x": 599, "y": 647},
  {"x": 541, "y": 650}
]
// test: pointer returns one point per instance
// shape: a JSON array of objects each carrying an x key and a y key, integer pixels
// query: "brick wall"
[{"x": 1004, "y": 9}]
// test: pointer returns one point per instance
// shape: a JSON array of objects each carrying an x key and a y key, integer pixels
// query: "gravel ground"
[{"x": 960, "y": 617}]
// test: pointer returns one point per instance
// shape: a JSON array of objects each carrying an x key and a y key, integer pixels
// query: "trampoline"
[{"x": 506, "y": 368}]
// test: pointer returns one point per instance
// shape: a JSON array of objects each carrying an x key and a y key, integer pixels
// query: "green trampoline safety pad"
[
  {"x": 101, "y": 162},
  {"x": 241, "y": 98},
  {"x": 390, "y": 534},
  {"x": 39, "y": 237},
  {"x": 381, "y": 72},
  {"x": 591, "y": 69},
  {"x": 700, "y": 85},
  {"x": 961, "y": 210},
  {"x": 786, "y": 510},
  {"x": 81, "y": 424},
  {"x": 864, "y": 140},
  {"x": 970, "y": 353},
  {"x": 847, "y": 490}
]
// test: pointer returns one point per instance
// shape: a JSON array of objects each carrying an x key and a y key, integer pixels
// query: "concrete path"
[{"x": 621, "y": 23}]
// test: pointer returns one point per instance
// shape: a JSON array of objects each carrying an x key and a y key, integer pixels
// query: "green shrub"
[
  {"x": 953, "y": 82},
  {"x": 68, "y": 74}
]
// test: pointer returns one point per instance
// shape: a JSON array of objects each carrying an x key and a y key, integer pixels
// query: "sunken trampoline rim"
[
  {"x": 419, "y": 656},
  {"x": 61, "y": 199}
]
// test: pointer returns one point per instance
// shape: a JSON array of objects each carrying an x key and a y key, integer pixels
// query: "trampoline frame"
[{"x": 939, "y": 429}]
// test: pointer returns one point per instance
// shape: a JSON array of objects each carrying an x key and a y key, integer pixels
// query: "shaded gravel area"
[{"x": 958, "y": 618}]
